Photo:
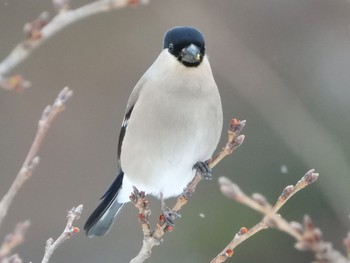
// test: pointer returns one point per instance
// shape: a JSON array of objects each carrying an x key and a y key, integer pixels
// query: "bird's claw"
[
  {"x": 204, "y": 169},
  {"x": 170, "y": 216}
]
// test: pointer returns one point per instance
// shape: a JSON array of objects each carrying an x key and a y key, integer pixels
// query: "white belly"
[{"x": 166, "y": 138}]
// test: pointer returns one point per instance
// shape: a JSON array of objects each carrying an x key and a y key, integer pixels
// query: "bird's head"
[{"x": 186, "y": 44}]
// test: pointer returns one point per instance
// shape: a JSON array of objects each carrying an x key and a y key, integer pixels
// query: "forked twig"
[
  {"x": 307, "y": 236},
  {"x": 12, "y": 240},
  {"x": 32, "y": 160},
  {"x": 41, "y": 29},
  {"x": 154, "y": 238},
  {"x": 68, "y": 232}
]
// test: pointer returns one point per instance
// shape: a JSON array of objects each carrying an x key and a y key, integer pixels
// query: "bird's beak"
[{"x": 191, "y": 54}]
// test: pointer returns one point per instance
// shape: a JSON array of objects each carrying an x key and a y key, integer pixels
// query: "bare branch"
[
  {"x": 311, "y": 239},
  {"x": 40, "y": 30},
  {"x": 12, "y": 259},
  {"x": 13, "y": 239},
  {"x": 151, "y": 239},
  {"x": 141, "y": 203},
  {"x": 146, "y": 249},
  {"x": 32, "y": 160},
  {"x": 68, "y": 232},
  {"x": 234, "y": 140},
  {"x": 258, "y": 203},
  {"x": 346, "y": 242},
  {"x": 308, "y": 237}
]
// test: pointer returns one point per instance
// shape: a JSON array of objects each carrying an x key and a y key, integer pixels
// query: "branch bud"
[
  {"x": 236, "y": 126},
  {"x": 310, "y": 176},
  {"x": 260, "y": 199},
  {"x": 229, "y": 189},
  {"x": 308, "y": 224},
  {"x": 297, "y": 227},
  {"x": 287, "y": 192},
  {"x": 229, "y": 252}
]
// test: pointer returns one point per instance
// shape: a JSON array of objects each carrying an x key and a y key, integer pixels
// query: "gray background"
[{"x": 282, "y": 65}]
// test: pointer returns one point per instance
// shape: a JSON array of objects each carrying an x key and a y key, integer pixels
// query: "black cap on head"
[{"x": 176, "y": 40}]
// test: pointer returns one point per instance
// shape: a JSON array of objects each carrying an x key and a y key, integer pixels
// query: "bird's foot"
[
  {"x": 168, "y": 215},
  {"x": 204, "y": 169}
]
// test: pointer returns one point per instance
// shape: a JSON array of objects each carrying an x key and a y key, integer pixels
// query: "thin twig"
[
  {"x": 13, "y": 239},
  {"x": 12, "y": 259},
  {"x": 259, "y": 203},
  {"x": 311, "y": 239},
  {"x": 346, "y": 242},
  {"x": 68, "y": 232},
  {"x": 32, "y": 160},
  {"x": 141, "y": 203},
  {"x": 234, "y": 140},
  {"x": 40, "y": 30}
]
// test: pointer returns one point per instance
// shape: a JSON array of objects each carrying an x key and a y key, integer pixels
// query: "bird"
[{"x": 171, "y": 127}]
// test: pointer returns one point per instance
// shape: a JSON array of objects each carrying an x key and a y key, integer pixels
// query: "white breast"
[{"x": 175, "y": 123}]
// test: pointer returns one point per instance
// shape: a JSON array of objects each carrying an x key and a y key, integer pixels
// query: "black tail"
[{"x": 101, "y": 220}]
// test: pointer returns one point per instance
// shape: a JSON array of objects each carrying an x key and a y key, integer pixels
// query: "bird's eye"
[{"x": 171, "y": 47}]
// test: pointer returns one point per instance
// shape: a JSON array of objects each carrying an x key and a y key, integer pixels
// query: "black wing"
[{"x": 123, "y": 130}]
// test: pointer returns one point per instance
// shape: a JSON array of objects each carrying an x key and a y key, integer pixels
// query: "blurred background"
[{"x": 283, "y": 65}]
